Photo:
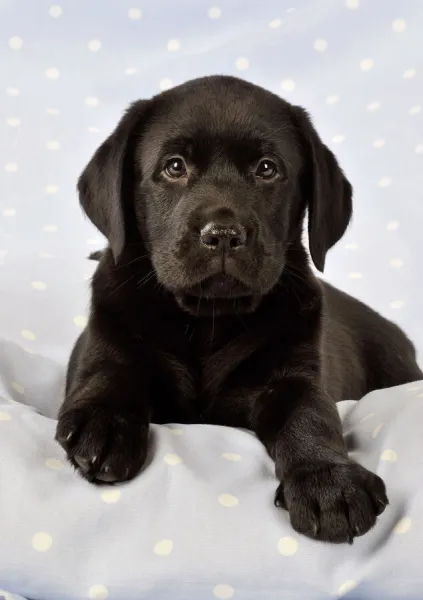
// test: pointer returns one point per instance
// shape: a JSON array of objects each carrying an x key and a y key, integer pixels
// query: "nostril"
[{"x": 212, "y": 241}]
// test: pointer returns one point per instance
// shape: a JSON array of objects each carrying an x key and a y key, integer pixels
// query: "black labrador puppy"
[{"x": 205, "y": 308}]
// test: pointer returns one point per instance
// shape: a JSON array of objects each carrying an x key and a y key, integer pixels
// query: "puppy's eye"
[
  {"x": 175, "y": 168},
  {"x": 267, "y": 169}
]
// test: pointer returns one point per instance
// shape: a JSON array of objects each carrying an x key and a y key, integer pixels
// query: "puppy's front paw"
[
  {"x": 332, "y": 502},
  {"x": 106, "y": 445}
]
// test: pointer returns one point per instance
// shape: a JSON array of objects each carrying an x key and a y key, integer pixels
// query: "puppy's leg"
[
  {"x": 104, "y": 421},
  {"x": 328, "y": 496}
]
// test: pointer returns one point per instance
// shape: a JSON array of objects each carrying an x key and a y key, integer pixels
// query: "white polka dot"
[
  {"x": 351, "y": 246},
  {"x": 403, "y": 526},
  {"x": 98, "y": 592},
  {"x": 18, "y": 387},
  {"x": 366, "y": 64},
  {"x": 39, "y": 285},
  {"x": 352, "y": 4},
  {"x": 42, "y": 541},
  {"x": 384, "y": 182},
  {"x": 165, "y": 84},
  {"x": 176, "y": 431},
  {"x": 419, "y": 149},
  {"x": 231, "y": 457},
  {"x": 51, "y": 188},
  {"x": 399, "y": 25},
  {"x": 50, "y": 228},
  {"x": 333, "y": 99},
  {"x": 377, "y": 430},
  {"x": 110, "y": 496},
  {"x": 91, "y": 101},
  {"x": 392, "y": 225},
  {"x": 11, "y": 167},
  {"x": 409, "y": 73},
  {"x": 52, "y": 73},
  {"x": 355, "y": 275},
  {"x": 13, "y": 122},
  {"x": 4, "y": 416},
  {"x": 379, "y": 143},
  {"x": 320, "y": 45},
  {"x": 55, "y": 11},
  {"x": 135, "y": 14},
  {"x": 173, "y": 45},
  {"x": 228, "y": 500},
  {"x": 415, "y": 110},
  {"x": 172, "y": 459},
  {"x": 16, "y": 42},
  {"x": 396, "y": 263},
  {"x": 53, "y": 111},
  {"x": 223, "y": 591},
  {"x": 53, "y": 145},
  {"x": 389, "y": 456},
  {"x": 288, "y": 546},
  {"x": 373, "y": 106},
  {"x": 54, "y": 464},
  {"x": 12, "y": 91},
  {"x": 275, "y": 23},
  {"x": 346, "y": 587},
  {"x": 94, "y": 45},
  {"x": 214, "y": 12},
  {"x": 130, "y": 71},
  {"x": 397, "y": 304},
  {"x": 338, "y": 139},
  {"x": 94, "y": 130},
  {"x": 288, "y": 85},
  {"x": 242, "y": 63},
  {"x": 28, "y": 335},
  {"x": 9, "y": 212},
  {"x": 163, "y": 548},
  {"x": 80, "y": 321}
]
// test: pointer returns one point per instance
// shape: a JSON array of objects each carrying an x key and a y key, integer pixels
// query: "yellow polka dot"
[
  {"x": 28, "y": 335},
  {"x": 98, "y": 592},
  {"x": 39, "y": 285},
  {"x": 54, "y": 463},
  {"x": 228, "y": 500},
  {"x": 5, "y": 416},
  {"x": 346, "y": 587},
  {"x": 288, "y": 546},
  {"x": 163, "y": 548},
  {"x": 110, "y": 496},
  {"x": 223, "y": 591},
  {"x": 41, "y": 542},
  {"x": 18, "y": 387},
  {"x": 232, "y": 457},
  {"x": 176, "y": 431},
  {"x": 377, "y": 430},
  {"x": 403, "y": 525},
  {"x": 80, "y": 321},
  {"x": 389, "y": 455},
  {"x": 172, "y": 459}
]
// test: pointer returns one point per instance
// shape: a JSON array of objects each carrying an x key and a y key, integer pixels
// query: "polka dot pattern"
[
  {"x": 228, "y": 500},
  {"x": 223, "y": 591},
  {"x": 163, "y": 548},
  {"x": 98, "y": 592},
  {"x": 288, "y": 546},
  {"x": 42, "y": 542}
]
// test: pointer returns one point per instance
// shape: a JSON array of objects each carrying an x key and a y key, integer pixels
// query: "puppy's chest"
[{"x": 216, "y": 385}]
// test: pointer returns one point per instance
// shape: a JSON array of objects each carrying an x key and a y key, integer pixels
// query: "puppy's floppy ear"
[
  {"x": 328, "y": 193},
  {"x": 101, "y": 186}
]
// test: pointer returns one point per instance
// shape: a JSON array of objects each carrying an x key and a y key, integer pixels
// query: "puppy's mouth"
[{"x": 219, "y": 294}]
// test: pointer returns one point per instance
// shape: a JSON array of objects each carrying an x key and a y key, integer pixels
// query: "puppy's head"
[{"x": 212, "y": 179}]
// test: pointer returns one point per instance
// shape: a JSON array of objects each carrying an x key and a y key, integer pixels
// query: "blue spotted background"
[{"x": 68, "y": 70}]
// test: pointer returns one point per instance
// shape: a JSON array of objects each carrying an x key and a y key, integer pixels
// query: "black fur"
[{"x": 246, "y": 336}]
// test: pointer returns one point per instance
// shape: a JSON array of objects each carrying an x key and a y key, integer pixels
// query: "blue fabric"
[{"x": 68, "y": 70}]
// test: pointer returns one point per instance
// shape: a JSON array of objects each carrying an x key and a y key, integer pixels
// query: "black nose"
[{"x": 223, "y": 237}]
